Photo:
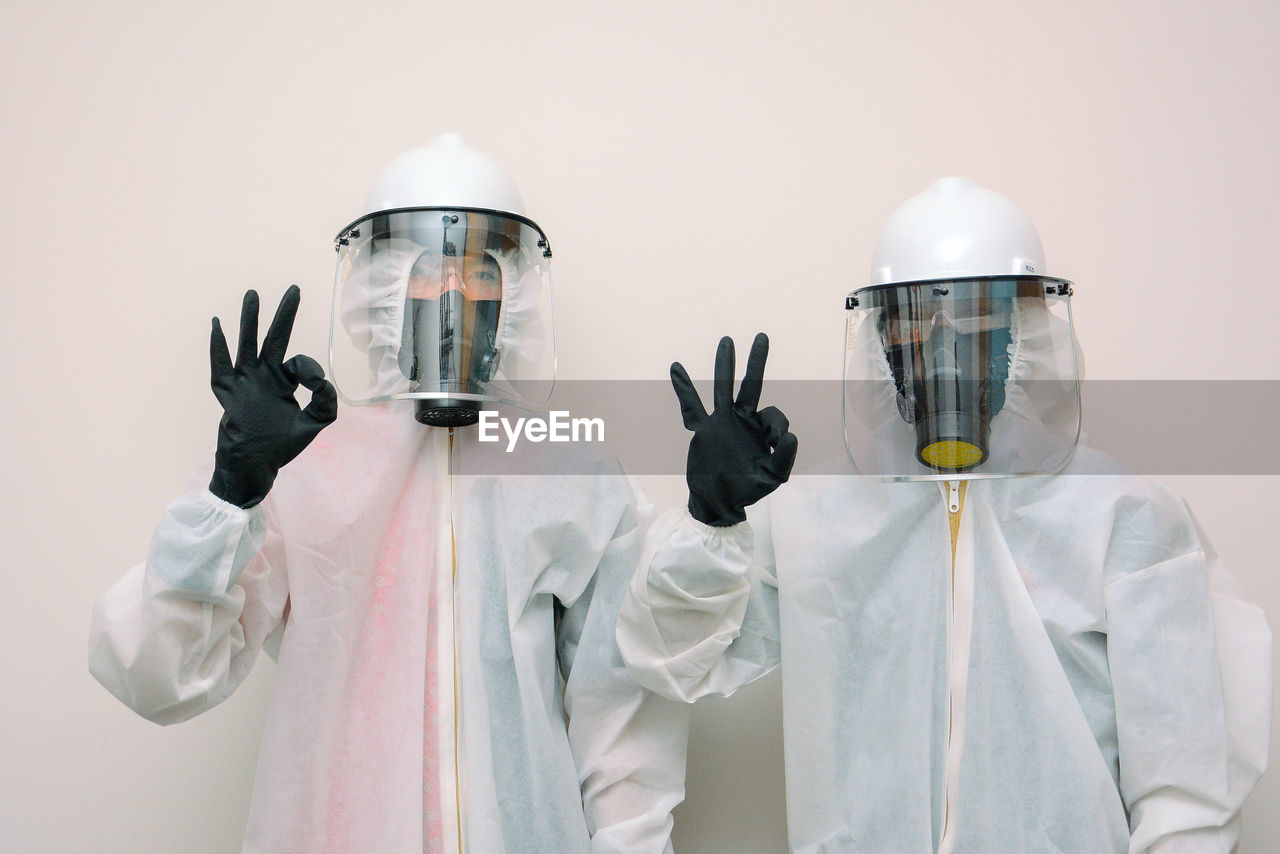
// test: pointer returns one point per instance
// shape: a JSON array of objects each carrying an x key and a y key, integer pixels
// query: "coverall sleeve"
[
  {"x": 178, "y": 633},
  {"x": 701, "y": 615},
  {"x": 1191, "y": 668},
  {"x": 628, "y": 743}
]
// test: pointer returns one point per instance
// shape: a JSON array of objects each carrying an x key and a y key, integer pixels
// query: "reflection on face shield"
[
  {"x": 950, "y": 371},
  {"x": 448, "y": 308},
  {"x": 451, "y": 325},
  {"x": 961, "y": 378}
]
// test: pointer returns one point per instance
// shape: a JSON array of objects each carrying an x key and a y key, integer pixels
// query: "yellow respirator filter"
[{"x": 951, "y": 455}]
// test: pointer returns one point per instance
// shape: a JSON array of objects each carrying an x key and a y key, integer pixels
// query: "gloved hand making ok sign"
[
  {"x": 737, "y": 455},
  {"x": 262, "y": 426}
]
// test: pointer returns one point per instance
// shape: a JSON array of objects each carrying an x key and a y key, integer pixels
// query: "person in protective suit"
[
  {"x": 994, "y": 639},
  {"x": 443, "y": 610}
]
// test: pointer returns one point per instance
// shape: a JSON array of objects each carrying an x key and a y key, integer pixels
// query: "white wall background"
[{"x": 155, "y": 161}]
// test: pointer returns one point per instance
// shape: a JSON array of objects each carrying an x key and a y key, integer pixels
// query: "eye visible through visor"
[
  {"x": 911, "y": 314},
  {"x": 476, "y": 275}
]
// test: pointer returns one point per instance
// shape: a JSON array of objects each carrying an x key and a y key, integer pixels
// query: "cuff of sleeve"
[
  {"x": 203, "y": 543},
  {"x": 226, "y": 508},
  {"x": 739, "y": 532}
]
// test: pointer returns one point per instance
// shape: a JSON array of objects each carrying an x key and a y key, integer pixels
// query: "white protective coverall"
[
  {"x": 417, "y": 704},
  {"x": 1075, "y": 672}
]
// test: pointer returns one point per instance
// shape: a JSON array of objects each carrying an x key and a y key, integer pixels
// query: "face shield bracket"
[
  {"x": 351, "y": 230},
  {"x": 345, "y": 238},
  {"x": 1052, "y": 287}
]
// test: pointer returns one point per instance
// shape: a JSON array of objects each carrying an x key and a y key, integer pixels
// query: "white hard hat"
[
  {"x": 956, "y": 229},
  {"x": 444, "y": 173}
]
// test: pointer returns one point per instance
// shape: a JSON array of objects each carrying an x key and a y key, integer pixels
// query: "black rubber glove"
[
  {"x": 262, "y": 426},
  {"x": 737, "y": 455}
]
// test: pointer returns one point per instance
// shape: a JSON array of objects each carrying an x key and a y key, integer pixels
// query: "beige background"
[{"x": 701, "y": 169}]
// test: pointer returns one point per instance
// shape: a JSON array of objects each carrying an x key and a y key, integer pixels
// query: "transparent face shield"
[
  {"x": 447, "y": 307},
  {"x": 969, "y": 378}
]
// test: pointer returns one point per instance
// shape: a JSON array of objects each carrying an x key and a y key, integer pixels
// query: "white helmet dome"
[
  {"x": 956, "y": 229},
  {"x": 444, "y": 173}
]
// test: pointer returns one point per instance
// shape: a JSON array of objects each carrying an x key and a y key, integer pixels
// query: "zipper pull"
[{"x": 953, "y": 496}]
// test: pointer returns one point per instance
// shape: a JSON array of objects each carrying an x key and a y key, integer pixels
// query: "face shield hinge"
[
  {"x": 545, "y": 247},
  {"x": 1062, "y": 290},
  {"x": 345, "y": 238},
  {"x": 850, "y": 303}
]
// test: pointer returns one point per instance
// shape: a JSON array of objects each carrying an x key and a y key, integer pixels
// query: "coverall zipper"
[
  {"x": 957, "y": 657},
  {"x": 453, "y": 606}
]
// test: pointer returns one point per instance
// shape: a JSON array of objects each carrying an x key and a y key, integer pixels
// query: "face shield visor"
[
  {"x": 961, "y": 379},
  {"x": 447, "y": 307}
]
